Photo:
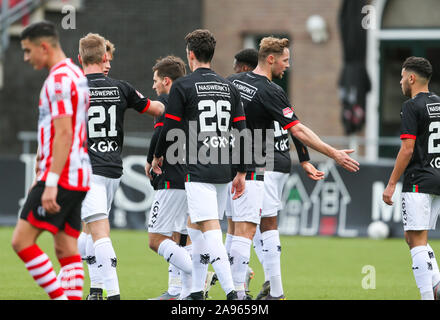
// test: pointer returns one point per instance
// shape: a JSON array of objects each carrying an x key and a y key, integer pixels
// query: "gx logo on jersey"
[{"x": 104, "y": 146}]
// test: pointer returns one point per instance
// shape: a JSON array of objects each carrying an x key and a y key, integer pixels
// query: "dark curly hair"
[
  {"x": 202, "y": 43},
  {"x": 419, "y": 65}
]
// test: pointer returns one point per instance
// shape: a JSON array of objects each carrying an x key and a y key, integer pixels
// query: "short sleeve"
[
  {"x": 135, "y": 99},
  {"x": 409, "y": 121},
  {"x": 176, "y": 103},
  {"x": 61, "y": 93},
  {"x": 278, "y": 106}
]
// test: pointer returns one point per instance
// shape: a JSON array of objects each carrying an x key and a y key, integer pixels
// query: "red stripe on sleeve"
[
  {"x": 170, "y": 116},
  {"x": 147, "y": 106},
  {"x": 242, "y": 118},
  {"x": 291, "y": 124},
  {"x": 408, "y": 136},
  {"x": 159, "y": 124}
]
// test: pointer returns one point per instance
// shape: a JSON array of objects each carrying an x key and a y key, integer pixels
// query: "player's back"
[
  {"x": 265, "y": 102},
  {"x": 210, "y": 105},
  {"x": 421, "y": 122},
  {"x": 109, "y": 99}
]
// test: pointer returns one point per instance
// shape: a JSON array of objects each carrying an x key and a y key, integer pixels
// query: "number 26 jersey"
[{"x": 109, "y": 99}]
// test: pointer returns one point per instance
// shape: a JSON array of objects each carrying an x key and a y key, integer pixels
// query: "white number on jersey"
[
  {"x": 100, "y": 119},
  {"x": 434, "y": 129},
  {"x": 221, "y": 109}
]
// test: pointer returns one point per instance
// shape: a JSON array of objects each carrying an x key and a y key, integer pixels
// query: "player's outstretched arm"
[
  {"x": 156, "y": 108},
  {"x": 403, "y": 158},
  {"x": 309, "y": 138}
]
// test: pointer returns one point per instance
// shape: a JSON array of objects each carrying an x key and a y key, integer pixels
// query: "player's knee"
[{"x": 16, "y": 244}]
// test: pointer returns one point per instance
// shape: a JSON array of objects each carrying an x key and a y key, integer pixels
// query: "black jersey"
[
  {"x": 282, "y": 160},
  {"x": 208, "y": 107},
  {"x": 421, "y": 121},
  {"x": 264, "y": 102},
  {"x": 173, "y": 176},
  {"x": 109, "y": 99}
]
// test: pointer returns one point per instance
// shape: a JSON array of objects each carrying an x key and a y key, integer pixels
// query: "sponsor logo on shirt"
[
  {"x": 246, "y": 90},
  {"x": 288, "y": 113},
  {"x": 433, "y": 109},
  {"x": 211, "y": 87},
  {"x": 104, "y": 94}
]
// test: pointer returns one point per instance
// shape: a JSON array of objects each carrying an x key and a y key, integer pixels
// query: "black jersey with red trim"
[
  {"x": 109, "y": 99},
  {"x": 208, "y": 106},
  {"x": 264, "y": 102},
  {"x": 282, "y": 159},
  {"x": 421, "y": 122},
  {"x": 173, "y": 176}
]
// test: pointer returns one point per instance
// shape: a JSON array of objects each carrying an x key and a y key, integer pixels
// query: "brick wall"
[
  {"x": 315, "y": 69},
  {"x": 142, "y": 31}
]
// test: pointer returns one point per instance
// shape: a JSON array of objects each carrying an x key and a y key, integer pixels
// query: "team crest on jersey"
[{"x": 288, "y": 113}]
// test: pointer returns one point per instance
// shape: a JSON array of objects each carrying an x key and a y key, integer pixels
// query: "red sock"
[
  {"x": 40, "y": 268},
  {"x": 72, "y": 277}
]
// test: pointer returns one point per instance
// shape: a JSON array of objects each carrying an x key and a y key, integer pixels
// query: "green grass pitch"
[{"x": 312, "y": 268}]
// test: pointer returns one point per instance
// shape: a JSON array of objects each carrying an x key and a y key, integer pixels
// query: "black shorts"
[{"x": 67, "y": 219}]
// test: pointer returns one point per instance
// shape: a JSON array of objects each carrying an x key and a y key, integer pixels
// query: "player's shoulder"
[{"x": 163, "y": 98}]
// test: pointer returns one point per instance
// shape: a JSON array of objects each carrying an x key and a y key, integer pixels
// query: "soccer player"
[
  {"x": 63, "y": 174},
  {"x": 417, "y": 160},
  {"x": 208, "y": 106},
  {"x": 110, "y": 49},
  {"x": 109, "y": 99},
  {"x": 85, "y": 241},
  {"x": 274, "y": 181},
  {"x": 245, "y": 60},
  {"x": 169, "y": 212},
  {"x": 265, "y": 102}
]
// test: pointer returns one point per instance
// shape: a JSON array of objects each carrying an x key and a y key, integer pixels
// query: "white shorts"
[
  {"x": 419, "y": 211},
  {"x": 169, "y": 212},
  {"x": 273, "y": 191},
  {"x": 206, "y": 201},
  {"x": 98, "y": 201},
  {"x": 249, "y": 206}
]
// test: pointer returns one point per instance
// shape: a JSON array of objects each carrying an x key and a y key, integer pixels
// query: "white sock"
[
  {"x": 435, "y": 270},
  {"x": 228, "y": 242},
  {"x": 186, "y": 278},
  {"x": 272, "y": 255},
  {"x": 240, "y": 255},
  {"x": 82, "y": 243},
  {"x": 219, "y": 259},
  {"x": 174, "y": 280},
  {"x": 258, "y": 248},
  {"x": 200, "y": 260},
  {"x": 92, "y": 266},
  {"x": 176, "y": 255},
  {"x": 422, "y": 269},
  {"x": 106, "y": 260}
]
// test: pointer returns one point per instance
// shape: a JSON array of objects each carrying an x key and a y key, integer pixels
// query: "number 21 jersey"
[{"x": 109, "y": 99}]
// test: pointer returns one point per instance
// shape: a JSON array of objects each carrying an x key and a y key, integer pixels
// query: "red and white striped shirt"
[{"x": 65, "y": 93}]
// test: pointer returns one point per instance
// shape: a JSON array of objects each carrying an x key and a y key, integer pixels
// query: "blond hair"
[
  {"x": 110, "y": 48},
  {"x": 272, "y": 45},
  {"x": 92, "y": 48}
]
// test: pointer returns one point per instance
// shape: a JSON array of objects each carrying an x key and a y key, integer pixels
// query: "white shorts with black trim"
[
  {"x": 273, "y": 191},
  {"x": 169, "y": 212},
  {"x": 206, "y": 201},
  {"x": 419, "y": 211},
  {"x": 98, "y": 201},
  {"x": 249, "y": 206}
]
